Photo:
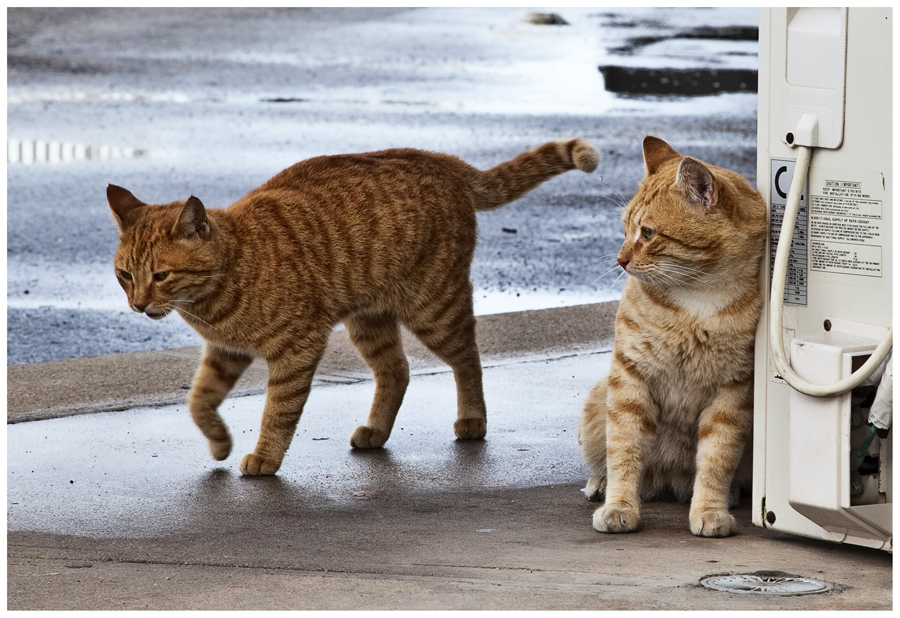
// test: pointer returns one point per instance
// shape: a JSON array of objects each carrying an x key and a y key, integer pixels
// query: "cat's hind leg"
[
  {"x": 215, "y": 377},
  {"x": 592, "y": 440},
  {"x": 377, "y": 337},
  {"x": 448, "y": 330}
]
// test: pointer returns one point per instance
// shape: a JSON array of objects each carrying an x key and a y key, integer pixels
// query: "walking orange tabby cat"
[
  {"x": 675, "y": 414},
  {"x": 373, "y": 240}
]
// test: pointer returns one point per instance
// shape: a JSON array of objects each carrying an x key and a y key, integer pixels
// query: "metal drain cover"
[{"x": 757, "y": 583}]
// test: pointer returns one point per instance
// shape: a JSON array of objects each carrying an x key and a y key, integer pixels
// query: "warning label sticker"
[
  {"x": 796, "y": 284},
  {"x": 845, "y": 229}
]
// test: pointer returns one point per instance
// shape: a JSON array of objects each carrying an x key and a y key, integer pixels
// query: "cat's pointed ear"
[
  {"x": 124, "y": 205},
  {"x": 192, "y": 222},
  {"x": 656, "y": 152},
  {"x": 698, "y": 184}
]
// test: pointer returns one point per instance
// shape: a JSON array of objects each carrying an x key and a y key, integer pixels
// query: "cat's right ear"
[{"x": 124, "y": 205}]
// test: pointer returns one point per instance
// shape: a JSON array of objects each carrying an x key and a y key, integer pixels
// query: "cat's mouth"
[{"x": 156, "y": 314}]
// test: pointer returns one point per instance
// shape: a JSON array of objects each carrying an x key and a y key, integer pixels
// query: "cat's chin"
[{"x": 153, "y": 315}]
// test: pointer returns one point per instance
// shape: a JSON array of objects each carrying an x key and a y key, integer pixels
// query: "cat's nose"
[
  {"x": 139, "y": 307},
  {"x": 623, "y": 262}
]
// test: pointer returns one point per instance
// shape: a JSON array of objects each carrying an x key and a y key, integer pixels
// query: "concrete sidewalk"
[{"x": 114, "y": 503}]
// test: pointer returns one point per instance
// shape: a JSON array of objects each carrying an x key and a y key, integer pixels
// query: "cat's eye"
[
  {"x": 162, "y": 275},
  {"x": 647, "y": 233},
  {"x": 124, "y": 274}
]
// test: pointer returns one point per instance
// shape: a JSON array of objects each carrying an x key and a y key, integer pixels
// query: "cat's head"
[
  {"x": 690, "y": 225},
  {"x": 167, "y": 256}
]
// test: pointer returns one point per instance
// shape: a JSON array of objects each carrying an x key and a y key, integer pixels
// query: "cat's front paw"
[
  {"x": 470, "y": 428},
  {"x": 254, "y": 465},
  {"x": 614, "y": 518},
  {"x": 366, "y": 437},
  {"x": 220, "y": 449},
  {"x": 712, "y": 523}
]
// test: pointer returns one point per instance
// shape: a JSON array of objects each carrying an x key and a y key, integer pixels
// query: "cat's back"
[
  {"x": 396, "y": 170},
  {"x": 416, "y": 190}
]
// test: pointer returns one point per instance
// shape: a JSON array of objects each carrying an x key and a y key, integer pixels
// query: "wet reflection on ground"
[{"x": 40, "y": 151}]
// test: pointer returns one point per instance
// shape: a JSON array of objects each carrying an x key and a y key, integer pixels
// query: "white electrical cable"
[
  {"x": 776, "y": 303},
  {"x": 882, "y": 412}
]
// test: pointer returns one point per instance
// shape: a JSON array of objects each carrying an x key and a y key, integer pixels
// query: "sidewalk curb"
[{"x": 136, "y": 379}]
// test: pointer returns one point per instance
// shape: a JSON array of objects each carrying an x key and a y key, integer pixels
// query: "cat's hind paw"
[
  {"x": 470, "y": 428},
  {"x": 254, "y": 465},
  {"x": 712, "y": 523},
  {"x": 366, "y": 437},
  {"x": 595, "y": 489},
  {"x": 614, "y": 519}
]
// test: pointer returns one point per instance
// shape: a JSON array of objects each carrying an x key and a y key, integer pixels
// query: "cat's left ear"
[
  {"x": 698, "y": 184},
  {"x": 192, "y": 222}
]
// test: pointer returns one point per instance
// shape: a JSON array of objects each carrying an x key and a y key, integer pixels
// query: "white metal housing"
[{"x": 839, "y": 283}]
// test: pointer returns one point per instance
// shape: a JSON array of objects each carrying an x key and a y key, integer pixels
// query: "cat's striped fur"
[
  {"x": 374, "y": 240},
  {"x": 675, "y": 414}
]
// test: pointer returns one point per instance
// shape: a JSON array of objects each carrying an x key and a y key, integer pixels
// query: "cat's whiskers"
[
  {"x": 662, "y": 279},
  {"x": 608, "y": 270},
  {"x": 199, "y": 319},
  {"x": 616, "y": 198},
  {"x": 686, "y": 273}
]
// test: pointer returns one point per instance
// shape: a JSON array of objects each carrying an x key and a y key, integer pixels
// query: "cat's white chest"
[{"x": 702, "y": 304}]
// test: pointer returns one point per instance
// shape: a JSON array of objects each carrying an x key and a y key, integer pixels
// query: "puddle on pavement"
[
  {"x": 705, "y": 44},
  {"x": 52, "y": 152},
  {"x": 677, "y": 82}
]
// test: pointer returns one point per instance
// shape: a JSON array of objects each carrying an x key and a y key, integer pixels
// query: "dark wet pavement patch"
[{"x": 677, "y": 82}]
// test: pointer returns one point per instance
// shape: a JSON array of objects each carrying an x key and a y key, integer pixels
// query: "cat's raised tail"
[{"x": 513, "y": 179}]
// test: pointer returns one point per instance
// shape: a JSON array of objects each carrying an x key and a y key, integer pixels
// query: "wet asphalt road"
[{"x": 171, "y": 103}]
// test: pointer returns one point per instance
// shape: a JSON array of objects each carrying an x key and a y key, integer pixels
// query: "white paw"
[
  {"x": 712, "y": 523},
  {"x": 614, "y": 518}
]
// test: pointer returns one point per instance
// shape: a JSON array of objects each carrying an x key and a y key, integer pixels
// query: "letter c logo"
[{"x": 778, "y": 189}]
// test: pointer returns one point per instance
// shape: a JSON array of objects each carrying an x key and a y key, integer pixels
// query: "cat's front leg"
[
  {"x": 723, "y": 431},
  {"x": 291, "y": 374},
  {"x": 215, "y": 377},
  {"x": 630, "y": 423}
]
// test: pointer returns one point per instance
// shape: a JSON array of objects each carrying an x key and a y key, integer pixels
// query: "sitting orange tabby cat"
[
  {"x": 371, "y": 239},
  {"x": 675, "y": 414}
]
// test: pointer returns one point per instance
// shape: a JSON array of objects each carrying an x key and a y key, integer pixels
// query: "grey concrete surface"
[{"x": 125, "y": 510}]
